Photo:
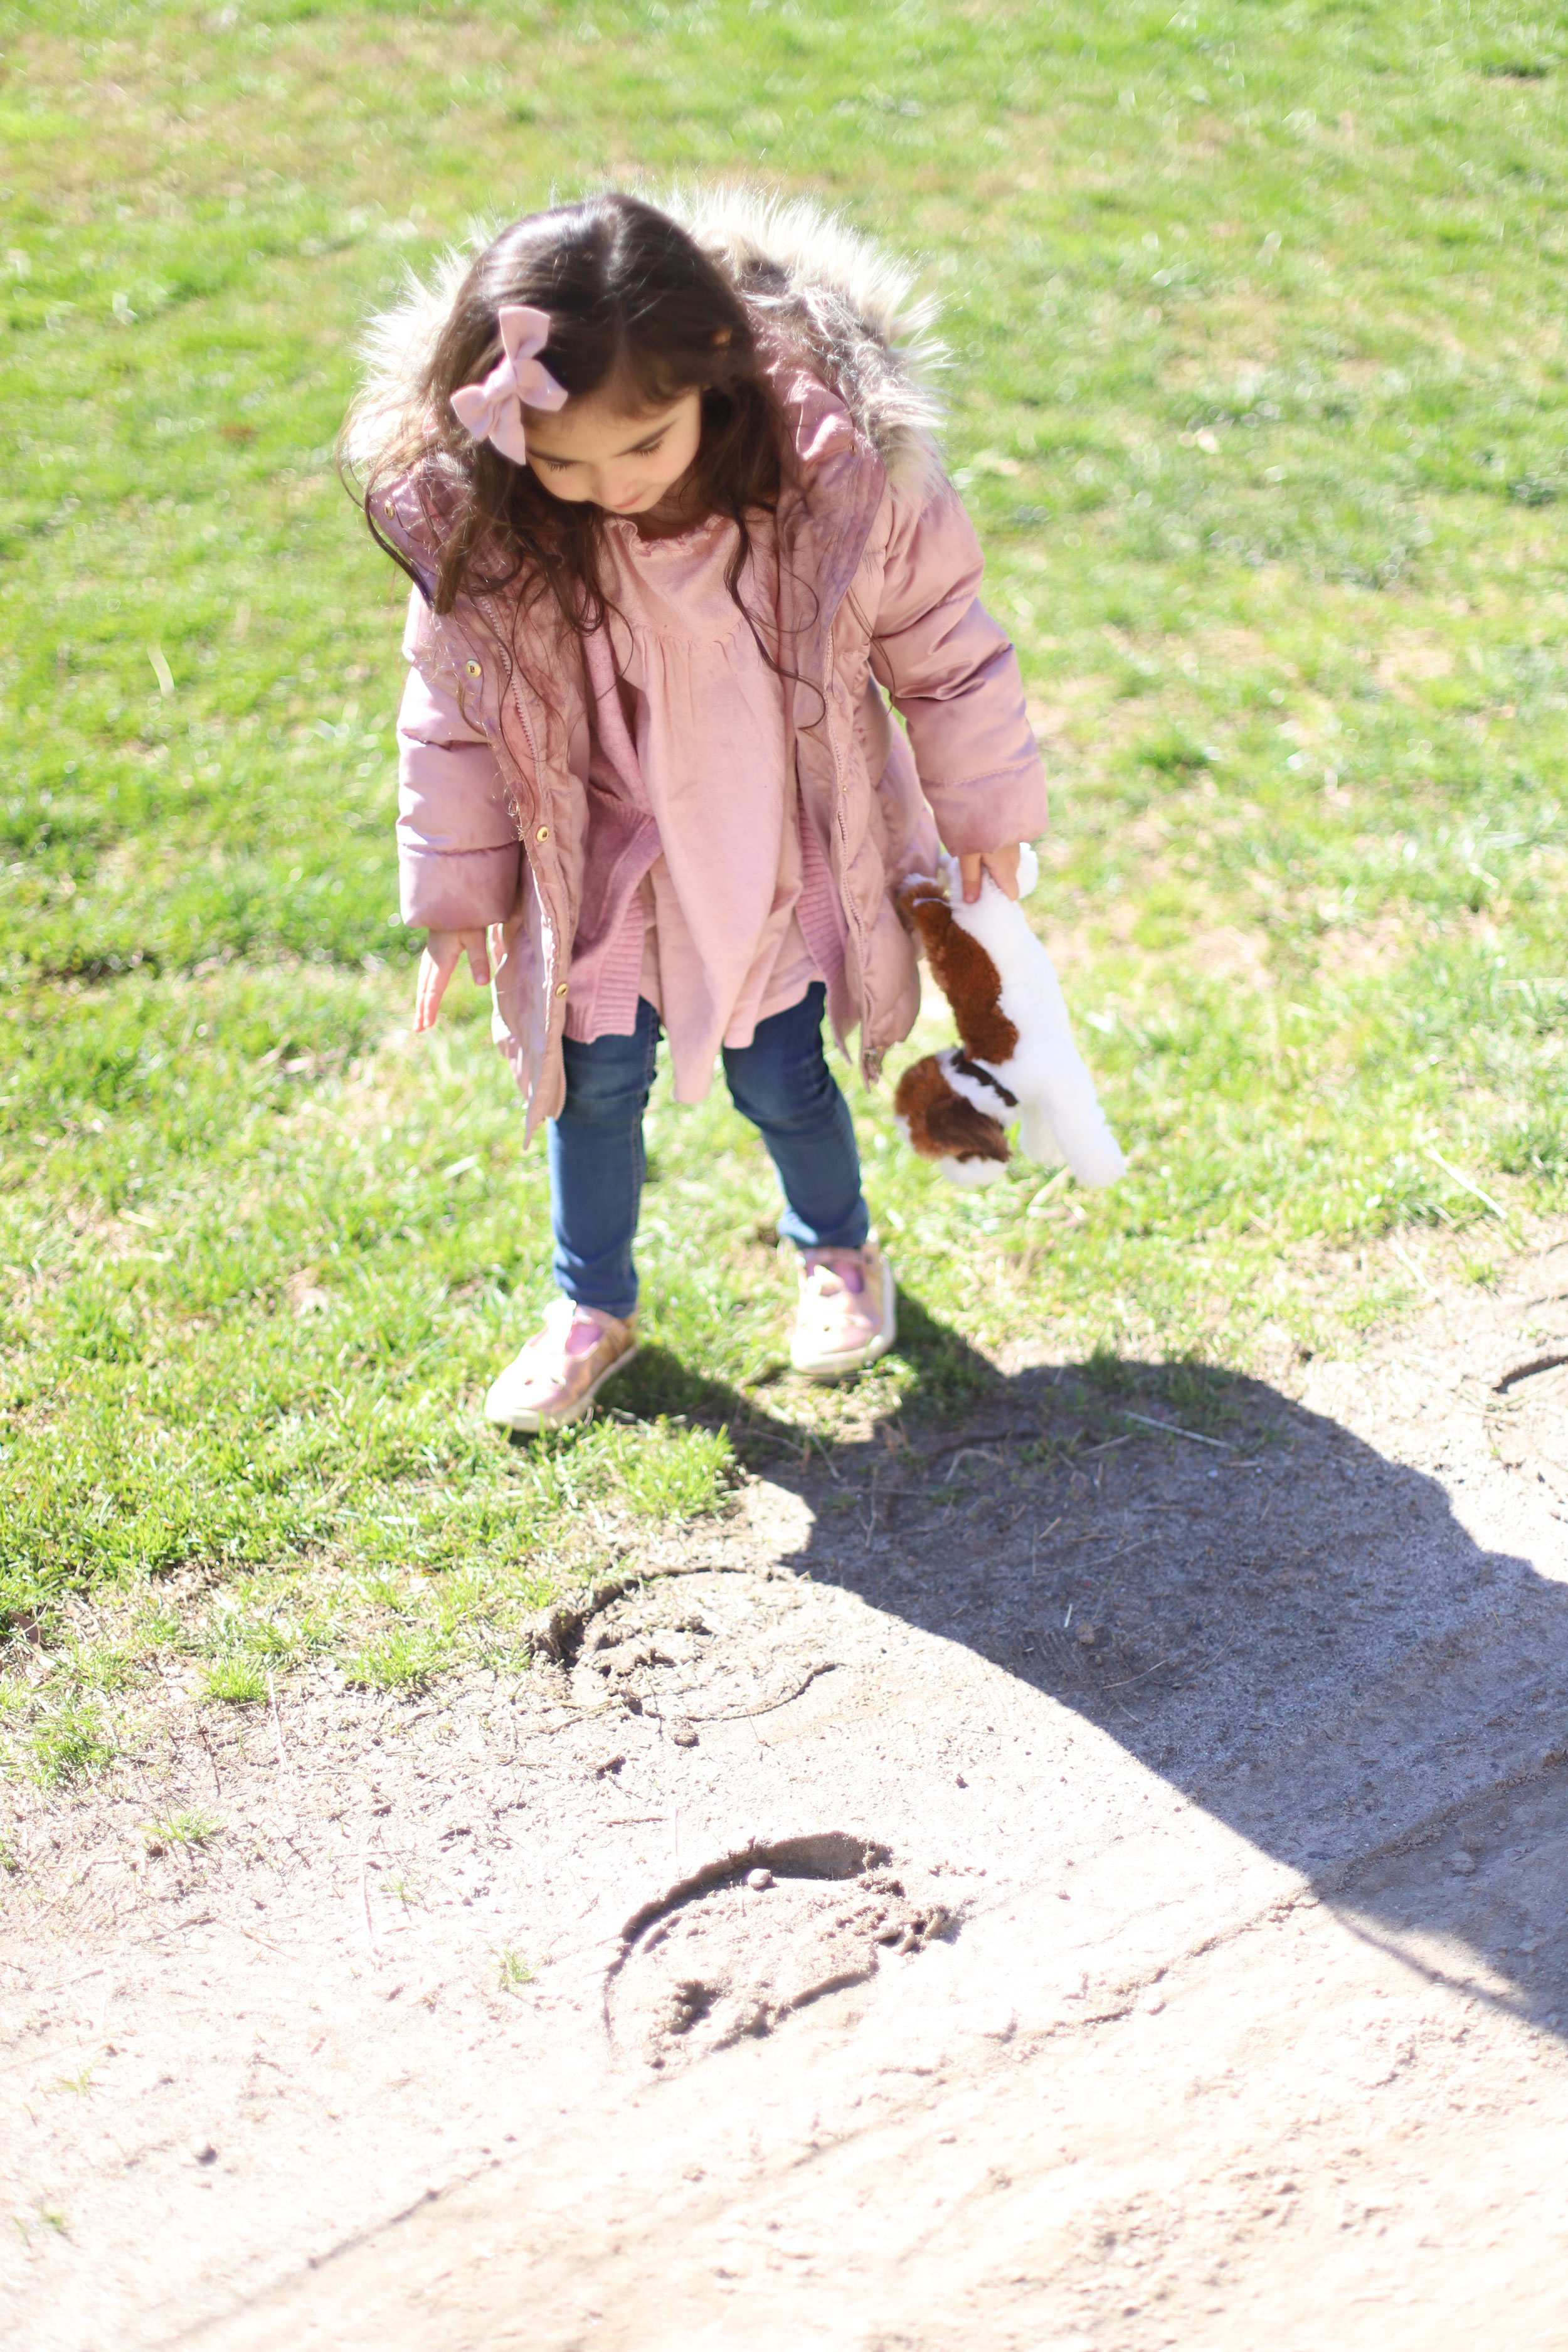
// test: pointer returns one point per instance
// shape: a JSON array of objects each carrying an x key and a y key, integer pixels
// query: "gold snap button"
[
  {"x": 473, "y": 668},
  {"x": 389, "y": 511},
  {"x": 560, "y": 988},
  {"x": 544, "y": 834}
]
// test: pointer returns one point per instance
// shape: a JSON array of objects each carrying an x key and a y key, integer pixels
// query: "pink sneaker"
[
  {"x": 562, "y": 1367},
  {"x": 847, "y": 1312}
]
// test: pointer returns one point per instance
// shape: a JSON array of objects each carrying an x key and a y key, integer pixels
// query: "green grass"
[
  {"x": 68, "y": 1743},
  {"x": 191, "y": 1828},
  {"x": 403, "y": 1660},
  {"x": 1258, "y": 399},
  {"x": 236, "y": 1682}
]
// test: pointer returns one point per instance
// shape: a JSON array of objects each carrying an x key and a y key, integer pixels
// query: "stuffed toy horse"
[{"x": 1016, "y": 1060}]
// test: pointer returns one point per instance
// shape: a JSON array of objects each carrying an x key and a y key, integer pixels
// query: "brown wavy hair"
[{"x": 637, "y": 310}]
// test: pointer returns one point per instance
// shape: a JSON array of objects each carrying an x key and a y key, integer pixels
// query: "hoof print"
[{"x": 755, "y": 1937}]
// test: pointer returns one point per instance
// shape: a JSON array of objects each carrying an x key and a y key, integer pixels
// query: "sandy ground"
[{"x": 968, "y": 1897}]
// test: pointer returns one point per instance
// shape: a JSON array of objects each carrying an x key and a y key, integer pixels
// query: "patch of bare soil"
[
  {"x": 736, "y": 1950},
  {"x": 1049, "y": 1879}
]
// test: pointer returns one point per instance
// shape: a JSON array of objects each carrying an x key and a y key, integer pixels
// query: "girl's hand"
[
  {"x": 436, "y": 965},
  {"x": 1002, "y": 865}
]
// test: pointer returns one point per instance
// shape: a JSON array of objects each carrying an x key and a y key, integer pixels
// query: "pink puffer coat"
[{"x": 881, "y": 575}]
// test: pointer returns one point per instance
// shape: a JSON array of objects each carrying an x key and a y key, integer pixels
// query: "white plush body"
[{"x": 1058, "y": 1111}]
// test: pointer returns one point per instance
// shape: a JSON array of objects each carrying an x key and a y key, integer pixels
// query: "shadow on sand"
[{"x": 1294, "y": 1631}]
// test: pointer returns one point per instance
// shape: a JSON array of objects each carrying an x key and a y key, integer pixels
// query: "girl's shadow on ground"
[
  {"x": 1295, "y": 1631},
  {"x": 950, "y": 1377}
]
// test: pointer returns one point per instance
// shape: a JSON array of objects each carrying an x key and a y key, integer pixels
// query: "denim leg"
[
  {"x": 597, "y": 1164},
  {"x": 782, "y": 1083}
]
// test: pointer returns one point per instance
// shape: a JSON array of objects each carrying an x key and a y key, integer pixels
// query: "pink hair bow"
[{"x": 492, "y": 411}]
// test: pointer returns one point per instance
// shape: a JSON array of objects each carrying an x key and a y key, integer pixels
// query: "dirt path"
[{"x": 983, "y": 1898}]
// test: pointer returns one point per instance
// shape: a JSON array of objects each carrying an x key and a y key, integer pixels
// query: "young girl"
[{"x": 678, "y": 533}]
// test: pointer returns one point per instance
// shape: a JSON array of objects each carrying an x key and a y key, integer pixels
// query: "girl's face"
[{"x": 589, "y": 451}]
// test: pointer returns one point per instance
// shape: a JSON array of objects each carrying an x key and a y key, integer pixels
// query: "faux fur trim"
[
  {"x": 847, "y": 309},
  {"x": 396, "y": 348},
  {"x": 848, "y": 306}
]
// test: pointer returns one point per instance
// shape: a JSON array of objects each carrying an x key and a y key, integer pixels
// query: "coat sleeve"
[
  {"x": 458, "y": 846},
  {"x": 952, "y": 674}
]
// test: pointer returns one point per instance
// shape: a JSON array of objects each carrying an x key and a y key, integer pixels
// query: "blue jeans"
[{"x": 781, "y": 1082}]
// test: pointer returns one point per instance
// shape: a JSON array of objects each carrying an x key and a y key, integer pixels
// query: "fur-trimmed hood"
[{"x": 834, "y": 302}]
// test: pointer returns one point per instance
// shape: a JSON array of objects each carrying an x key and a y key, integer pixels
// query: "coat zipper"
[
  {"x": 868, "y": 1054},
  {"x": 527, "y": 725}
]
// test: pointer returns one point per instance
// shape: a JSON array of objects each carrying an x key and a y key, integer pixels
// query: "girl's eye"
[
  {"x": 647, "y": 448},
  {"x": 559, "y": 465}
]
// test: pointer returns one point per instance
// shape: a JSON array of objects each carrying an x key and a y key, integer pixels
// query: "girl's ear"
[{"x": 722, "y": 338}]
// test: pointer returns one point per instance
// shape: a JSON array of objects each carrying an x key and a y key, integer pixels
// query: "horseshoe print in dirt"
[
  {"x": 1527, "y": 1415},
  {"x": 741, "y": 1945}
]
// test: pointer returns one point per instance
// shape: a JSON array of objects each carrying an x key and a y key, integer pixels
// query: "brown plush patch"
[
  {"x": 919, "y": 891},
  {"x": 964, "y": 972},
  {"x": 942, "y": 1123}
]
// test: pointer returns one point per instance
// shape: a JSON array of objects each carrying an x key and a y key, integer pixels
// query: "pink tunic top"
[{"x": 715, "y": 900}]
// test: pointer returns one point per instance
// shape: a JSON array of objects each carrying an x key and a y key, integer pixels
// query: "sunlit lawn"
[{"x": 1258, "y": 396}]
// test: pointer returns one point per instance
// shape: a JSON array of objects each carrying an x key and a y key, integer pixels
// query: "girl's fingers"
[
  {"x": 431, "y": 988},
  {"x": 1002, "y": 865},
  {"x": 443, "y": 950}
]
